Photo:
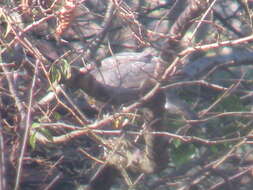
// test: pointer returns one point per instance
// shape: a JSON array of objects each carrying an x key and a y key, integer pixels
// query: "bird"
[
  {"x": 124, "y": 78},
  {"x": 120, "y": 80}
]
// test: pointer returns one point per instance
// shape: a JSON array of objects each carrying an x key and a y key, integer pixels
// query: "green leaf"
[
  {"x": 32, "y": 140},
  {"x": 177, "y": 142},
  {"x": 65, "y": 68},
  {"x": 214, "y": 149},
  {"x": 183, "y": 154},
  {"x": 57, "y": 116},
  {"x": 59, "y": 71},
  {"x": 35, "y": 125},
  {"x": 230, "y": 103},
  {"x": 37, "y": 129},
  {"x": 46, "y": 133},
  {"x": 55, "y": 74}
]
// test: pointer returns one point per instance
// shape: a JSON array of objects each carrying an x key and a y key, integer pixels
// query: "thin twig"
[{"x": 27, "y": 128}]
